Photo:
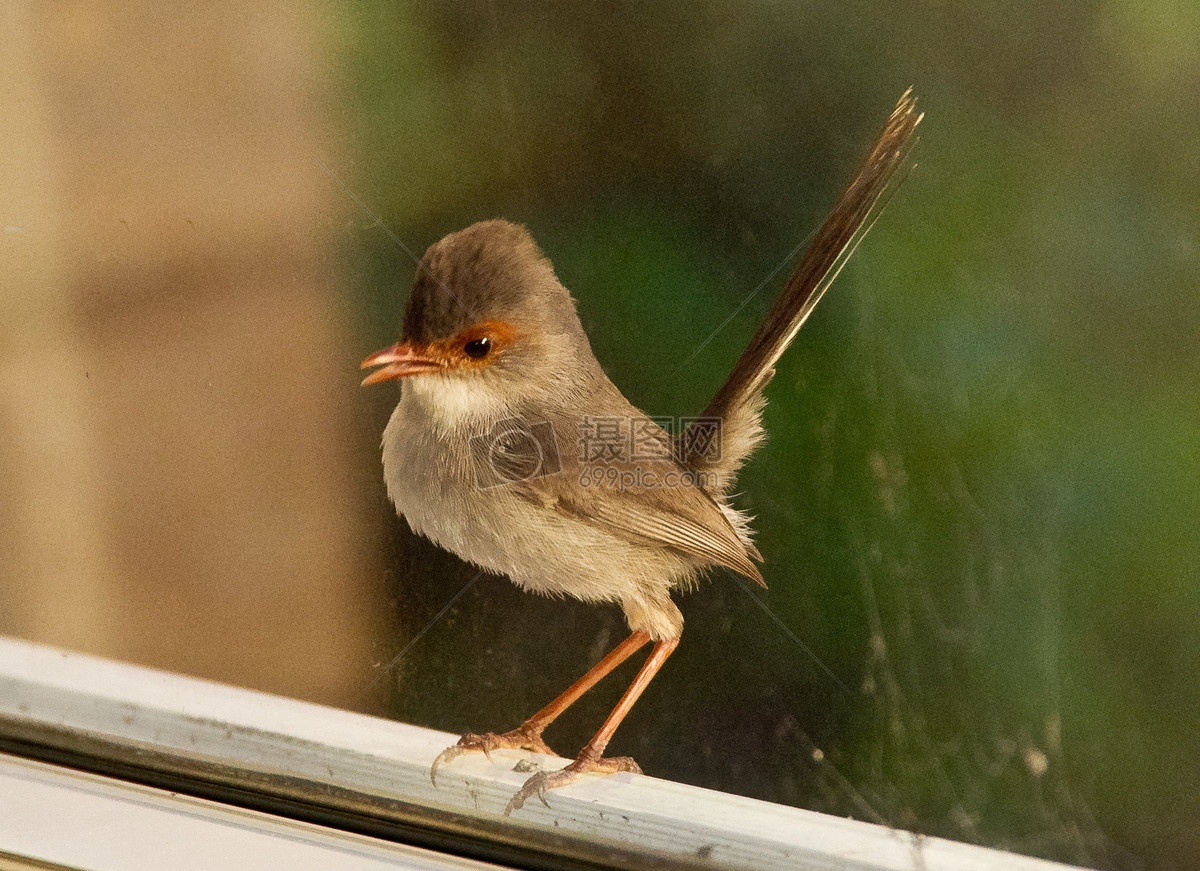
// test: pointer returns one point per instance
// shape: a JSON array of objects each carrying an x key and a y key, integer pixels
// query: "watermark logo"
[
  {"x": 644, "y": 439},
  {"x": 514, "y": 450},
  {"x": 624, "y": 453},
  {"x": 624, "y": 439},
  {"x": 638, "y": 477},
  {"x": 614, "y": 452}
]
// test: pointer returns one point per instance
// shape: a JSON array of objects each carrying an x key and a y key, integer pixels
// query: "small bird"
[{"x": 511, "y": 448}]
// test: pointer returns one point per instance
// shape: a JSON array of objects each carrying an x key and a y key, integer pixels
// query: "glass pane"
[{"x": 976, "y": 503}]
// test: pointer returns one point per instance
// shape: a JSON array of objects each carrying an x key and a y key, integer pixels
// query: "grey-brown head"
[{"x": 486, "y": 303}]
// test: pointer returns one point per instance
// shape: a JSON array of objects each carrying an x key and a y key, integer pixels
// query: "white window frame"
[{"x": 368, "y": 776}]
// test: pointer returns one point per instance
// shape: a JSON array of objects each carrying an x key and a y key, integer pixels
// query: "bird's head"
[{"x": 487, "y": 314}]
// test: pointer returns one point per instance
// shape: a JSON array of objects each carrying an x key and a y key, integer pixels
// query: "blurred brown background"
[{"x": 176, "y": 421}]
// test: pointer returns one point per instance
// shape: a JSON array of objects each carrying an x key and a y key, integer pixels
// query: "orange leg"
[
  {"x": 528, "y": 736},
  {"x": 596, "y": 673},
  {"x": 591, "y": 757}
]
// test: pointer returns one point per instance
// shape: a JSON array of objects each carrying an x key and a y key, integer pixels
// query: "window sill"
[{"x": 371, "y": 776}]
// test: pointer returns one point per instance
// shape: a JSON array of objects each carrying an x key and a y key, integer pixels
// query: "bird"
[{"x": 511, "y": 448}]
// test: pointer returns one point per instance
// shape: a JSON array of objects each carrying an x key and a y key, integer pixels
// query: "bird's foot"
[
  {"x": 523, "y": 737},
  {"x": 587, "y": 763}
]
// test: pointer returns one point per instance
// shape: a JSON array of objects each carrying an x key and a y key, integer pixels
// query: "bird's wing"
[
  {"x": 650, "y": 502},
  {"x": 696, "y": 525}
]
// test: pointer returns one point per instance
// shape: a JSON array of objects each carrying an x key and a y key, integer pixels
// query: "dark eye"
[{"x": 478, "y": 348}]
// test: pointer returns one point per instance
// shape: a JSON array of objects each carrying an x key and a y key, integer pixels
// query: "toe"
[
  {"x": 536, "y": 785},
  {"x": 618, "y": 763},
  {"x": 544, "y": 781},
  {"x": 447, "y": 755},
  {"x": 485, "y": 743}
]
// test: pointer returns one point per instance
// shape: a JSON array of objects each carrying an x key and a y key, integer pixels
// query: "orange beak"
[{"x": 401, "y": 359}]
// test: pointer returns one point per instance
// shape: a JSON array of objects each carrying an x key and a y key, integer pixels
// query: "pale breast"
[{"x": 431, "y": 478}]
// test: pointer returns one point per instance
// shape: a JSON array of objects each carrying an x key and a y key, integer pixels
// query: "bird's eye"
[{"x": 478, "y": 348}]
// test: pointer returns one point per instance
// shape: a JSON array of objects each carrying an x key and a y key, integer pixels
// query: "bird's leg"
[
  {"x": 528, "y": 736},
  {"x": 591, "y": 757}
]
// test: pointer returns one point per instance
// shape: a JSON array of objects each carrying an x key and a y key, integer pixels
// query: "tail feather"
[{"x": 739, "y": 402}]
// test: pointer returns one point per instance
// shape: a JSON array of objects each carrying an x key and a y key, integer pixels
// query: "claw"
[
  {"x": 535, "y": 785},
  {"x": 544, "y": 781},
  {"x": 465, "y": 744},
  {"x": 447, "y": 755},
  {"x": 518, "y": 739}
]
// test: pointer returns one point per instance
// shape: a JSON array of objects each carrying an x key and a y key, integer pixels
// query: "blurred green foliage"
[{"x": 979, "y": 500}]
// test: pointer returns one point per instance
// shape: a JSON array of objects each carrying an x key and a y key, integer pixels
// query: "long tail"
[{"x": 738, "y": 404}]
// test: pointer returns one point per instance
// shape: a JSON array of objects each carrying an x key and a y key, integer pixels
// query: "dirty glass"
[{"x": 977, "y": 501}]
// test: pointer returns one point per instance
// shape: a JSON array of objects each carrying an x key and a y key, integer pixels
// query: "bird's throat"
[{"x": 456, "y": 403}]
